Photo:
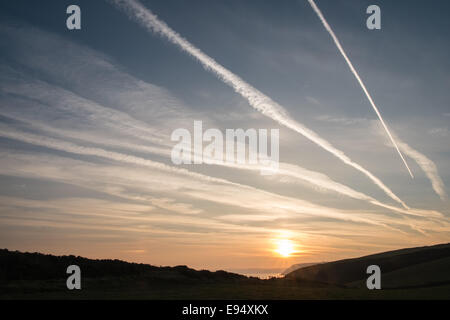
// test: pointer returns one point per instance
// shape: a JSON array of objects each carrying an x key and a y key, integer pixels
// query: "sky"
[{"x": 86, "y": 118}]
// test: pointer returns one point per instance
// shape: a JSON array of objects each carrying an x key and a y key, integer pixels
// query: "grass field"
[{"x": 264, "y": 290}]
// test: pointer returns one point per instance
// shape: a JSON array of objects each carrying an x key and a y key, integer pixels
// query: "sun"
[{"x": 285, "y": 248}]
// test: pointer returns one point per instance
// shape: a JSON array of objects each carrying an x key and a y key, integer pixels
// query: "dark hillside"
[{"x": 344, "y": 272}]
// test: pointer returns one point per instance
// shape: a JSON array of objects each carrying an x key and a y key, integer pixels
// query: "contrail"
[
  {"x": 255, "y": 98},
  {"x": 317, "y": 179},
  {"x": 70, "y": 147},
  {"x": 341, "y": 49},
  {"x": 297, "y": 206}
]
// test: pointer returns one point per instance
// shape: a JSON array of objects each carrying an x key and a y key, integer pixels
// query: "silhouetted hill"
[
  {"x": 15, "y": 265},
  {"x": 421, "y": 266}
]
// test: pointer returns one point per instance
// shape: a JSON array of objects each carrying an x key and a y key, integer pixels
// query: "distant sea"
[{"x": 262, "y": 273}]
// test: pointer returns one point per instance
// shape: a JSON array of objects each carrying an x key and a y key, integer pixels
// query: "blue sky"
[{"x": 86, "y": 118}]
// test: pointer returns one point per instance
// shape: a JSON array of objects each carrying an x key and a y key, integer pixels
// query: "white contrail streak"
[
  {"x": 278, "y": 202},
  {"x": 316, "y": 179},
  {"x": 70, "y": 147},
  {"x": 341, "y": 49},
  {"x": 286, "y": 203},
  {"x": 255, "y": 98}
]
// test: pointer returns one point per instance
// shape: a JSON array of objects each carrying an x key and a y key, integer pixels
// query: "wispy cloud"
[
  {"x": 119, "y": 181},
  {"x": 341, "y": 120},
  {"x": 294, "y": 172},
  {"x": 428, "y": 167},
  {"x": 439, "y": 132},
  {"x": 49, "y": 98},
  {"x": 256, "y": 99}
]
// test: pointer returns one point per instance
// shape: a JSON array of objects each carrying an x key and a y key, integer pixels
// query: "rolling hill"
[
  {"x": 413, "y": 267},
  {"x": 18, "y": 266}
]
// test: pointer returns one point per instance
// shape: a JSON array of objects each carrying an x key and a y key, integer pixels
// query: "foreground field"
[{"x": 264, "y": 290}]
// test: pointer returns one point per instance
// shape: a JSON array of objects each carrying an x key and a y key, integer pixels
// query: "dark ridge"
[
  {"x": 15, "y": 265},
  {"x": 344, "y": 272}
]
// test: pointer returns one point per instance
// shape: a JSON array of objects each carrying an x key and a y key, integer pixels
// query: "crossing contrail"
[
  {"x": 255, "y": 98},
  {"x": 341, "y": 49}
]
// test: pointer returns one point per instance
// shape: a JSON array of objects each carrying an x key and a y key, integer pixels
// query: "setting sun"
[{"x": 285, "y": 248}]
